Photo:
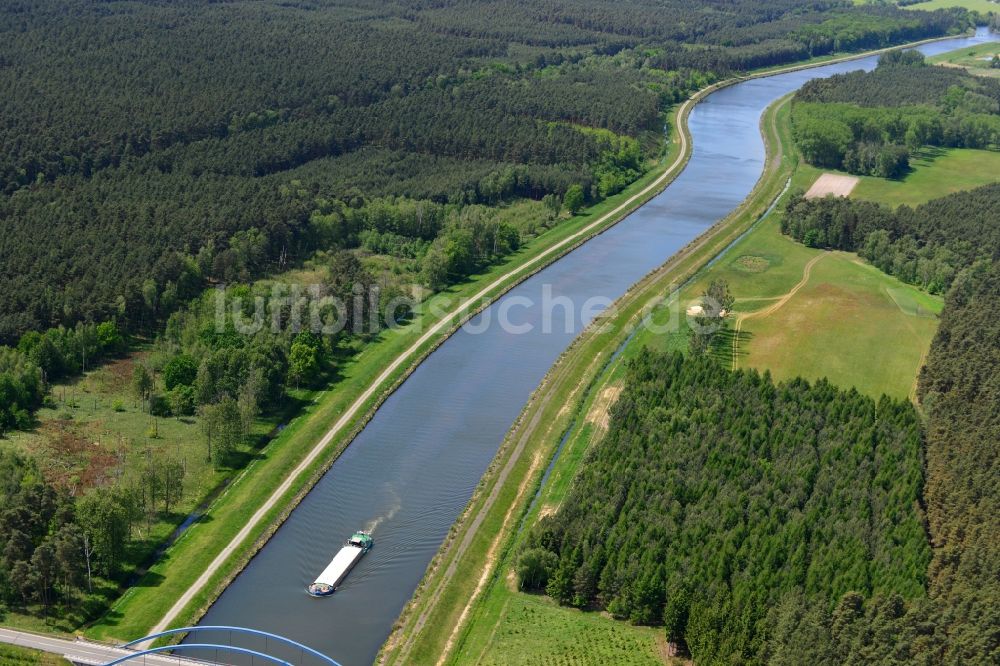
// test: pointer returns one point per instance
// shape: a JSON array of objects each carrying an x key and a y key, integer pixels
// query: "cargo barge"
[{"x": 341, "y": 564}]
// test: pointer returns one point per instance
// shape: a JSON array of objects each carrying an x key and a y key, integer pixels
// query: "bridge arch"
[{"x": 212, "y": 646}]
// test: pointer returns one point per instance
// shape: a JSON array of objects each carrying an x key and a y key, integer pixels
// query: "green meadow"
[{"x": 984, "y": 6}]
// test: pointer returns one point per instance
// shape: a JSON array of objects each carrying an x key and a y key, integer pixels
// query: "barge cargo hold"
[{"x": 342, "y": 563}]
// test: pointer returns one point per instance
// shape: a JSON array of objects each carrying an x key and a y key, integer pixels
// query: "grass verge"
[
  {"x": 11, "y": 655},
  {"x": 984, "y": 6}
]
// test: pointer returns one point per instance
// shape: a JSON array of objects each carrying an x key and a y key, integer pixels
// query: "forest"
[
  {"x": 57, "y": 550},
  {"x": 869, "y": 122},
  {"x": 717, "y": 497},
  {"x": 175, "y": 127},
  {"x": 794, "y": 523}
]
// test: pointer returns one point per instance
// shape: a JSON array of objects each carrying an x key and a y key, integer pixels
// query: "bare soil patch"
[
  {"x": 832, "y": 184},
  {"x": 600, "y": 412}
]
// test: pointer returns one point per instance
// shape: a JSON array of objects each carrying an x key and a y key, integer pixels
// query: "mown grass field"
[
  {"x": 984, "y": 6},
  {"x": 845, "y": 323},
  {"x": 935, "y": 172},
  {"x": 976, "y": 59}
]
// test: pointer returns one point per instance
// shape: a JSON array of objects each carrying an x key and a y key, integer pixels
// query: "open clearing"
[
  {"x": 937, "y": 172},
  {"x": 977, "y": 5},
  {"x": 934, "y": 173},
  {"x": 532, "y": 629},
  {"x": 843, "y": 324},
  {"x": 976, "y": 60},
  {"x": 834, "y": 184},
  {"x": 815, "y": 314}
]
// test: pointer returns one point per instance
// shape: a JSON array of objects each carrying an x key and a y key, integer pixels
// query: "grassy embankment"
[
  {"x": 975, "y": 59},
  {"x": 146, "y": 603},
  {"x": 11, "y": 655}
]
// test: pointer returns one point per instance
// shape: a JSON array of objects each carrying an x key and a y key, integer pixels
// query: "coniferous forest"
[
  {"x": 719, "y": 500},
  {"x": 138, "y": 136},
  {"x": 792, "y": 524}
]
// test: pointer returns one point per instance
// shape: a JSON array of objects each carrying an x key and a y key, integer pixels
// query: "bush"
[
  {"x": 158, "y": 405},
  {"x": 573, "y": 200},
  {"x": 181, "y": 399},
  {"x": 534, "y": 568},
  {"x": 181, "y": 370}
]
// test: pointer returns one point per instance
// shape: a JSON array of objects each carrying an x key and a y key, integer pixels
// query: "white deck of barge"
[{"x": 341, "y": 563}]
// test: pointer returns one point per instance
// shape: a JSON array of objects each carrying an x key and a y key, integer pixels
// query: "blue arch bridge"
[
  {"x": 209, "y": 645},
  {"x": 285, "y": 647}
]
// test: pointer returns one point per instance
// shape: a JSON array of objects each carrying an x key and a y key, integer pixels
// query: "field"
[
  {"x": 93, "y": 424},
  {"x": 935, "y": 172},
  {"x": 976, "y": 59},
  {"x": 984, "y": 6},
  {"x": 813, "y": 327},
  {"x": 532, "y": 629},
  {"x": 841, "y": 319}
]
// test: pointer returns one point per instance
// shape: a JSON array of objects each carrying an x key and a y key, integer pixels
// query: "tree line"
[{"x": 869, "y": 122}]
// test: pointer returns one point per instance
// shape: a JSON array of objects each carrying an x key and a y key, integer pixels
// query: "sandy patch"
[
  {"x": 831, "y": 183},
  {"x": 600, "y": 411}
]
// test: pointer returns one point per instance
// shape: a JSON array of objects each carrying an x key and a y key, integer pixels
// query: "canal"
[{"x": 411, "y": 471}]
